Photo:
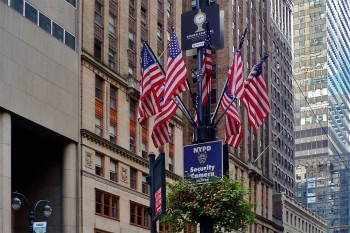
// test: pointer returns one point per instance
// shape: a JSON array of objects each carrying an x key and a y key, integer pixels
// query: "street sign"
[
  {"x": 39, "y": 227},
  {"x": 193, "y": 28},
  {"x": 158, "y": 182},
  {"x": 203, "y": 161}
]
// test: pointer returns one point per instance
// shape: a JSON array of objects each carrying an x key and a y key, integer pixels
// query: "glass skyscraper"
[{"x": 322, "y": 88}]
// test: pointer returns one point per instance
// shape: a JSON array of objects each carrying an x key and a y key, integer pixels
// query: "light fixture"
[
  {"x": 16, "y": 203},
  {"x": 47, "y": 209}
]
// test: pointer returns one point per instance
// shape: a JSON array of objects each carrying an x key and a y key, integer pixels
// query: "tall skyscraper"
[
  {"x": 321, "y": 72},
  {"x": 269, "y": 29}
]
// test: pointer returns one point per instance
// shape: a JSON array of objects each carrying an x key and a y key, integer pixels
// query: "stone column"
[
  {"x": 69, "y": 189},
  {"x": 5, "y": 172}
]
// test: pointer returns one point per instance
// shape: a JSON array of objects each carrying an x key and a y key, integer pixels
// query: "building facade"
[
  {"x": 39, "y": 111},
  {"x": 274, "y": 169},
  {"x": 322, "y": 109},
  {"x": 114, "y": 146},
  {"x": 295, "y": 217}
]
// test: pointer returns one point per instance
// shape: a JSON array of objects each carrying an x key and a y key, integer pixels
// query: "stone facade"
[{"x": 295, "y": 217}]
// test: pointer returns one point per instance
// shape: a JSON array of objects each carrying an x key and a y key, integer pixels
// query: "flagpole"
[
  {"x": 269, "y": 145},
  {"x": 241, "y": 41},
  {"x": 217, "y": 122}
]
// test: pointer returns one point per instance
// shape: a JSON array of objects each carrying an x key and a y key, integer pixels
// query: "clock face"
[{"x": 199, "y": 18}]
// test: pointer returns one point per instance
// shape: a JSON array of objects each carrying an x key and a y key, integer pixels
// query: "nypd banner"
[{"x": 203, "y": 161}]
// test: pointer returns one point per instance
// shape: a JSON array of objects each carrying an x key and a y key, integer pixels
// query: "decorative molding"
[
  {"x": 124, "y": 175},
  {"x": 113, "y": 147},
  {"x": 172, "y": 175},
  {"x": 114, "y": 184},
  {"x": 101, "y": 69},
  {"x": 88, "y": 159}
]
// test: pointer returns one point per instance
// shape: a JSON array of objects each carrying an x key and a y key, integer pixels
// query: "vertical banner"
[{"x": 158, "y": 183}]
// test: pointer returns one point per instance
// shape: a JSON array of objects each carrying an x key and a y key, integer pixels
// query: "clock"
[{"x": 199, "y": 20}]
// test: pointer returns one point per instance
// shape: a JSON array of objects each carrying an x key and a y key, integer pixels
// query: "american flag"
[
  {"x": 207, "y": 67},
  {"x": 152, "y": 78},
  {"x": 175, "y": 83},
  {"x": 176, "y": 75},
  {"x": 233, "y": 128},
  {"x": 255, "y": 97},
  {"x": 235, "y": 76}
]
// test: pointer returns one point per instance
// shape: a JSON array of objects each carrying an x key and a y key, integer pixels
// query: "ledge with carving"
[{"x": 113, "y": 147}]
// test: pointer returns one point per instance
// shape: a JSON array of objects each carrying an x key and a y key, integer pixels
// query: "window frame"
[
  {"x": 99, "y": 14},
  {"x": 134, "y": 214},
  {"x": 112, "y": 25},
  {"x": 115, "y": 162},
  {"x": 133, "y": 178},
  {"x": 102, "y": 164},
  {"x": 110, "y": 205}
]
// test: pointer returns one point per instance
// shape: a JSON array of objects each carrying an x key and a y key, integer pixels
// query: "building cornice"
[
  {"x": 114, "y": 184},
  {"x": 172, "y": 175},
  {"x": 268, "y": 221},
  {"x": 113, "y": 147}
]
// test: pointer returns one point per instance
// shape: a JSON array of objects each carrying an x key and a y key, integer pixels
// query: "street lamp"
[{"x": 16, "y": 204}]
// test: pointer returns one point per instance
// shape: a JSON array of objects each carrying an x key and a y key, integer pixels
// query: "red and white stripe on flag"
[
  {"x": 176, "y": 73},
  {"x": 207, "y": 75},
  {"x": 255, "y": 99},
  {"x": 160, "y": 133},
  {"x": 235, "y": 76},
  {"x": 233, "y": 128}
]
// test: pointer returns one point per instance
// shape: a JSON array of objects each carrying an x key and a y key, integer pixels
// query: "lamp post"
[{"x": 16, "y": 204}]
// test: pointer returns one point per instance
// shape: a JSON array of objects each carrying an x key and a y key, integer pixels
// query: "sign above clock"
[{"x": 193, "y": 27}]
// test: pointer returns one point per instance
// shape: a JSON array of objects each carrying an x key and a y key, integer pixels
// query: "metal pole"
[
  {"x": 151, "y": 159},
  {"x": 204, "y": 132}
]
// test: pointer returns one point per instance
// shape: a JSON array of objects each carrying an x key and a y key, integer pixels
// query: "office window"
[
  {"x": 171, "y": 163},
  {"x": 99, "y": 165},
  {"x": 31, "y": 13},
  {"x": 17, "y": 5},
  {"x": 113, "y": 170},
  {"x": 131, "y": 40},
  {"x": 133, "y": 178},
  {"x": 57, "y": 31},
  {"x": 132, "y": 144},
  {"x": 169, "y": 10},
  {"x": 98, "y": 13},
  {"x": 72, "y": 2},
  {"x": 44, "y": 23},
  {"x": 133, "y": 110},
  {"x": 160, "y": 5},
  {"x": 98, "y": 88},
  {"x": 160, "y": 31},
  {"x": 166, "y": 228},
  {"x": 145, "y": 186},
  {"x": 131, "y": 70},
  {"x": 132, "y": 8},
  {"x": 98, "y": 49},
  {"x": 98, "y": 125},
  {"x": 112, "y": 133},
  {"x": 113, "y": 97},
  {"x": 139, "y": 215},
  {"x": 190, "y": 228},
  {"x": 106, "y": 205},
  {"x": 144, "y": 150},
  {"x": 143, "y": 17},
  {"x": 69, "y": 40},
  {"x": 111, "y": 26},
  {"x": 111, "y": 59}
]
